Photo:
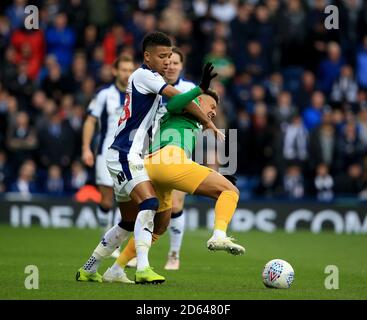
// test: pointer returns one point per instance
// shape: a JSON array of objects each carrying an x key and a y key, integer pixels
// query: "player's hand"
[
  {"x": 217, "y": 133},
  {"x": 88, "y": 157},
  {"x": 207, "y": 76}
]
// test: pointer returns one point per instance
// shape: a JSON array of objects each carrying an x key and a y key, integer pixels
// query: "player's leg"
[
  {"x": 105, "y": 186},
  {"x": 176, "y": 230},
  {"x": 129, "y": 211},
  {"x": 218, "y": 187},
  {"x": 111, "y": 240},
  {"x": 161, "y": 222},
  {"x": 144, "y": 195},
  {"x": 183, "y": 174},
  {"x": 104, "y": 210}
]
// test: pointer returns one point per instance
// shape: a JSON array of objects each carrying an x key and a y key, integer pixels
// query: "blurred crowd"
[{"x": 296, "y": 91}]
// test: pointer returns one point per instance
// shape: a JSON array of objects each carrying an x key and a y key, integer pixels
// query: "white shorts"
[
  {"x": 126, "y": 175},
  {"x": 103, "y": 177}
]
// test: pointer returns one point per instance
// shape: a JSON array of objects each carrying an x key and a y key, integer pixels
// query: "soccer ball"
[{"x": 278, "y": 274}]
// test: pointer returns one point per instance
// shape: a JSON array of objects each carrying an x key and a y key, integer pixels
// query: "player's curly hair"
[{"x": 156, "y": 38}]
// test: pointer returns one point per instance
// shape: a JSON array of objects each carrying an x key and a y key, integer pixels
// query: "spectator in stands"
[
  {"x": 172, "y": 17},
  {"x": 324, "y": 183},
  {"x": 264, "y": 33},
  {"x": 77, "y": 74},
  {"x": 21, "y": 139},
  {"x": 349, "y": 148},
  {"x": 261, "y": 147},
  {"x": 329, "y": 69},
  {"x": 25, "y": 184},
  {"x": 85, "y": 94},
  {"x": 258, "y": 95},
  {"x": 323, "y": 144},
  {"x": 54, "y": 84},
  {"x": 362, "y": 126},
  {"x": 223, "y": 10},
  {"x": 99, "y": 13},
  {"x": 15, "y": 13},
  {"x": 254, "y": 61},
  {"x": 284, "y": 110},
  {"x": 292, "y": 32},
  {"x": 61, "y": 40},
  {"x": 361, "y": 64},
  {"x": 38, "y": 101},
  {"x": 295, "y": 142},
  {"x": 5, "y": 171},
  {"x": 274, "y": 86},
  {"x": 5, "y": 33},
  {"x": 312, "y": 114},
  {"x": 54, "y": 185},
  {"x": 30, "y": 48},
  {"x": 90, "y": 41},
  {"x": 350, "y": 182},
  {"x": 222, "y": 63},
  {"x": 345, "y": 88},
  {"x": 21, "y": 86},
  {"x": 293, "y": 182},
  {"x": 307, "y": 87},
  {"x": 57, "y": 143},
  {"x": 78, "y": 177},
  {"x": 114, "y": 41},
  {"x": 269, "y": 186},
  {"x": 242, "y": 29}
]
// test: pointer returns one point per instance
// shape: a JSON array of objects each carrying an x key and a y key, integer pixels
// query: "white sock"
[
  {"x": 219, "y": 234},
  {"x": 176, "y": 232},
  {"x": 143, "y": 237},
  {"x": 116, "y": 268},
  {"x": 112, "y": 239}
]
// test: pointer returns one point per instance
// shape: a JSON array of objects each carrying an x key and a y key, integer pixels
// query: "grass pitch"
[{"x": 58, "y": 253}]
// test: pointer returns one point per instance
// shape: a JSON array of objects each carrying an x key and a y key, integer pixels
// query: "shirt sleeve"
[
  {"x": 147, "y": 81},
  {"x": 96, "y": 106}
]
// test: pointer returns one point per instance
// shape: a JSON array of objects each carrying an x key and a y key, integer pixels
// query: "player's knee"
[
  {"x": 235, "y": 189},
  {"x": 177, "y": 206},
  {"x": 149, "y": 204}
]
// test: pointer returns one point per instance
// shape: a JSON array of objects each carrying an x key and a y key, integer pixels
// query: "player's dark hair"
[
  {"x": 213, "y": 94},
  {"x": 122, "y": 58},
  {"x": 179, "y": 52},
  {"x": 156, "y": 38}
]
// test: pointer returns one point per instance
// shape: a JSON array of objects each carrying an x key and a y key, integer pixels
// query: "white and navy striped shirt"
[
  {"x": 143, "y": 97},
  {"x": 106, "y": 107}
]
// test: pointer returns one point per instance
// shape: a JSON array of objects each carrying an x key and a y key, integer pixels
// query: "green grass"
[{"x": 58, "y": 253}]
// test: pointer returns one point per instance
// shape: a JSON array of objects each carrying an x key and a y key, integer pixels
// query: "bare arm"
[{"x": 88, "y": 131}]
